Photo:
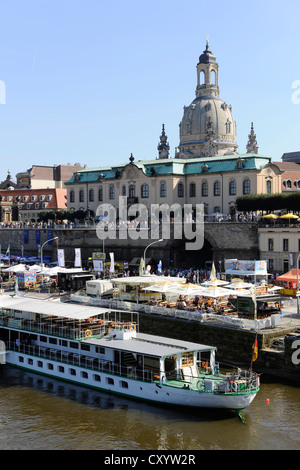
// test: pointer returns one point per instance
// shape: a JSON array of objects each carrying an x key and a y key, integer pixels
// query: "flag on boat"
[
  {"x": 213, "y": 272},
  {"x": 255, "y": 350}
]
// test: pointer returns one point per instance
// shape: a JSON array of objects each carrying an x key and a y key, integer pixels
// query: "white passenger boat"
[{"x": 104, "y": 349}]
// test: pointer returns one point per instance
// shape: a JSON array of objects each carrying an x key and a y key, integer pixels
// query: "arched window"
[
  {"x": 111, "y": 192},
  {"x": 217, "y": 188},
  {"x": 204, "y": 189},
  {"x": 246, "y": 187},
  {"x": 180, "y": 189},
  {"x": 100, "y": 194},
  {"x": 232, "y": 188},
  {"x": 269, "y": 187},
  {"x": 81, "y": 195},
  {"x": 145, "y": 190},
  {"x": 202, "y": 78},
  {"x": 192, "y": 190},
  {"x": 91, "y": 195},
  {"x": 163, "y": 190},
  {"x": 72, "y": 196},
  {"x": 213, "y": 77},
  {"x": 132, "y": 190}
]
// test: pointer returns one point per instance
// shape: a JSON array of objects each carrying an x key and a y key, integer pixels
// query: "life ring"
[
  {"x": 200, "y": 385},
  {"x": 232, "y": 387},
  {"x": 132, "y": 326},
  {"x": 87, "y": 333}
]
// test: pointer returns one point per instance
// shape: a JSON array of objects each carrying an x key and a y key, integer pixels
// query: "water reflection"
[{"x": 38, "y": 412}]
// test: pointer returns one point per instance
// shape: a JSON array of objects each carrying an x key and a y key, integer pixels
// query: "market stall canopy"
[{"x": 290, "y": 276}]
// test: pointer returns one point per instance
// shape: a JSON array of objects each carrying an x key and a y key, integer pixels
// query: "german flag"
[{"x": 255, "y": 350}]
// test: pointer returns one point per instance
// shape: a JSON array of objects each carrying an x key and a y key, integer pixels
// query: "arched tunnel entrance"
[{"x": 180, "y": 257}]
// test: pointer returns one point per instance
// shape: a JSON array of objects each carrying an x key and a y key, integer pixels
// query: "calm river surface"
[{"x": 38, "y": 413}]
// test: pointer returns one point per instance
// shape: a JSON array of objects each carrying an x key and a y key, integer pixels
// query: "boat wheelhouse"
[{"x": 103, "y": 349}]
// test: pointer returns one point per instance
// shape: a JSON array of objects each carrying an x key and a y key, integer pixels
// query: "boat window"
[
  {"x": 74, "y": 345},
  {"x": 30, "y": 361},
  {"x": 97, "y": 378},
  {"x": 50, "y": 366},
  {"x": 110, "y": 381},
  {"x": 84, "y": 375},
  {"x": 40, "y": 363},
  {"x": 72, "y": 371},
  {"x": 85, "y": 347},
  {"x": 53, "y": 340},
  {"x": 100, "y": 350},
  {"x": 123, "y": 384},
  {"x": 61, "y": 369},
  {"x": 21, "y": 359},
  {"x": 43, "y": 338},
  {"x": 187, "y": 359}
]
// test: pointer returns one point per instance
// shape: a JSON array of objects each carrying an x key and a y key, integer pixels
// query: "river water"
[{"x": 39, "y": 413}]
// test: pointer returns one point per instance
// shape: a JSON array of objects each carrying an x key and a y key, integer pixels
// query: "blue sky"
[{"x": 93, "y": 81}]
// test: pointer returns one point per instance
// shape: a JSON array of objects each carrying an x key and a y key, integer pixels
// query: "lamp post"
[
  {"x": 156, "y": 241},
  {"x": 47, "y": 241}
]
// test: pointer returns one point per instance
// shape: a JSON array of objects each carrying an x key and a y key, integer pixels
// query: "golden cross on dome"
[{"x": 207, "y": 39}]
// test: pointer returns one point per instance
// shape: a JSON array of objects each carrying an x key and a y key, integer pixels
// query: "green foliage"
[{"x": 269, "y": 202}]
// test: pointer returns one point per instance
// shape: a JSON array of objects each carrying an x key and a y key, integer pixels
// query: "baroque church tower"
[
  {"x": 207, "y": 127},
  {"x": 252, "y": 146},
  {"x": 163, "y": 146}
]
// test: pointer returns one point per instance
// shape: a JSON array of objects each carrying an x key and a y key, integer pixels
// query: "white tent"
[{"x": 15, "y": 269}]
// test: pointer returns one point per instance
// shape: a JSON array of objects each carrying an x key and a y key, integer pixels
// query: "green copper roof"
[{"x": 176, "y": 166}]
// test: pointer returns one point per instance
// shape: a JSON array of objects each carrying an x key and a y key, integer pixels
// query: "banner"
[
  {"x": 245, "y": 267},
  {"x": 26, "y": 235},
  {"x": 112, "y": 263},
  {"x": 61, "y": 258},
  {"x": 77, "y": 262},
  {"x": 37, "y": 236},
  {"x": 50, "y": 236},
  {"x": 98, "y": 264}
]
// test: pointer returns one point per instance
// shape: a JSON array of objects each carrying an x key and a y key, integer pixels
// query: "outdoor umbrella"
[
  {"x": 216, "y": 282},
  {"x": 289, "y": 216},
  {"x": 163, "y": 287},
  {"x": 270, "y": 216},
  {"x": 186, "y": 289},
  {"x": 215, "y": 292}
]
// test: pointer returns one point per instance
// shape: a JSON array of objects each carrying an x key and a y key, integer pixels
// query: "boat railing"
[
  {"x": 206, "y": 381},
  {"x": 88, "y": 362},
  {"x": 64, "y": 330}
]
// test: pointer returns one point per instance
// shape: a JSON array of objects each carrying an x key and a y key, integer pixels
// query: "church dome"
[
  {"x": 207, "y": 127},
  {"x": 207, "y": 120}
]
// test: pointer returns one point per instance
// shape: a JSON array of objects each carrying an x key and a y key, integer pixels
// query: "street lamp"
[
  {"x": 47, "y": 241},
  {"x": 156, "y": 241}
]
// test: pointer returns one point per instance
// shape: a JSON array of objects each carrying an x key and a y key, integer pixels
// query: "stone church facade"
[{"x": 206, "y": 168}]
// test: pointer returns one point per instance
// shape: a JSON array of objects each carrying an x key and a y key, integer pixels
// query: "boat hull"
[{"x": 130, "y": 387}]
